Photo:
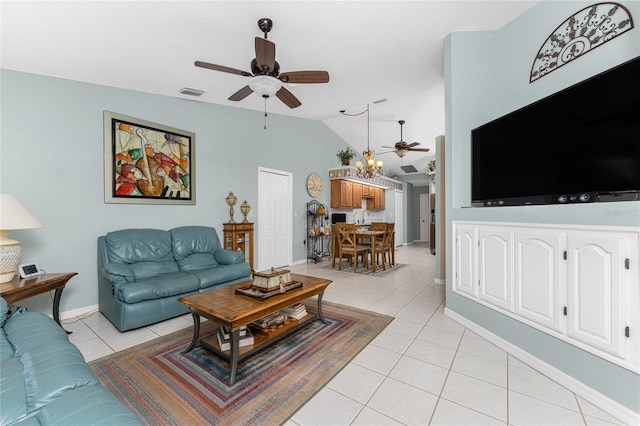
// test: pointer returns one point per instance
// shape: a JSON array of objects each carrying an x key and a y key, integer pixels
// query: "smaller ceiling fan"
[
  {"x": 266, "y": 78},
  {"x": 401, "y": 148}
]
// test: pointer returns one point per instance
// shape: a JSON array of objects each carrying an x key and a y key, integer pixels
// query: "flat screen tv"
[{"x": 581, "y": 144}]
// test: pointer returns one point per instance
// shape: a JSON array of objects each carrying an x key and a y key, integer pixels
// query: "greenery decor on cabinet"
[
  {"x": 345, "y": 156},
  {"x": 318, "y": 232}
]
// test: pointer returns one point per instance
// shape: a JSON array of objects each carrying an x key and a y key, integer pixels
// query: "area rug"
[
  {"x": 380, "y": 273},
  {"x": 163, "y": 386}
]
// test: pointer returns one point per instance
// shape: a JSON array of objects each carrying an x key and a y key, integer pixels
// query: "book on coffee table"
[{"x": 246, "y": 339}]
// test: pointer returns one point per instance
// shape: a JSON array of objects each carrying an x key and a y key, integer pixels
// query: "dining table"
[{"x": 363, "y": 234}]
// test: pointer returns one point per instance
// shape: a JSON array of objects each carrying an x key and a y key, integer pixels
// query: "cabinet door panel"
[
  {"x": 464, "y": 281},
  {"x": 494, "y": 267},
  {"x": 593, "y": 291},
  {"x": 537, "y": 278}
]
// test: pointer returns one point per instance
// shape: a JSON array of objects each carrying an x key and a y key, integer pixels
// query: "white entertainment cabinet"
[{"x": 577, "y": 283}]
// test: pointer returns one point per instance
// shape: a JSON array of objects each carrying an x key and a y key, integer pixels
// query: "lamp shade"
[{"x": 13, "y": 215}]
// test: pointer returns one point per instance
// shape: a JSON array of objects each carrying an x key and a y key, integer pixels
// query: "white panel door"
[
  {"x": 495, "y": 266},
  {"x": 464, "y": 260},
  {"x": 537, "y": 286},
  {"x": 274, "y": 219},
  {"x": 595, "y": 309}
]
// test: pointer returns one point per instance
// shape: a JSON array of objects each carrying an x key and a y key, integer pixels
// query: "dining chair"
[
  {"x": 384, "y": 246},
  {"x": 348, "y": 247}
]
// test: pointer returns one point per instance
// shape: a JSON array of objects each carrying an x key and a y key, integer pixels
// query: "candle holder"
[
  {"x": 245, "y": 208},
  {"x": 231, "y": 201}
]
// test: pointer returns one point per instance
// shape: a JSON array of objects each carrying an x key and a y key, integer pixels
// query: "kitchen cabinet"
[
  {"x": 341, "y": 194},
  {"x": 356, "y": 196},
  {"x": 576, "y": 283},
  {"x": 378, "y": 199},
  {"x": 347, "y": 194}
]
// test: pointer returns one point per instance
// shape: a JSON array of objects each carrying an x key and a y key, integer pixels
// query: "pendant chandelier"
[{"x": 370, "y": 168}]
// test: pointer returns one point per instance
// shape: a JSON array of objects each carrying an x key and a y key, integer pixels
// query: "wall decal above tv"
[{"x": 579, "y": 145}]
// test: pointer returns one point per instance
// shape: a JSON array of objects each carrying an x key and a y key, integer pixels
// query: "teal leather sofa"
[
  {"x": 44, "y": 379},
  {"x": 143, "y": 272}
]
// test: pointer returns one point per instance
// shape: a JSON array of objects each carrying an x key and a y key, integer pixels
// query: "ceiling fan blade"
[
  {"x": 390, "y": 147},
  {"x": 241, "y": 94},
  {"x": 411, "y": 145},
  {"x": 386, "y": 152},
  {"x": 419, "y": 149},
  {"x": 265, "y": 54},
  {"x": 305, "y": 77},
  {"x": 222, "y": 68},
  {"x": 287, "y": 97}
]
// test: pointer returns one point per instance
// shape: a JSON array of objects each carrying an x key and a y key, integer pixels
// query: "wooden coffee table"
[{"x": 225, "y": 307}]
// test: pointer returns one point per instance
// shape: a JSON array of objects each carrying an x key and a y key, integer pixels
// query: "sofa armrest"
[
  {"x": 228, "y": 257},
  {"x": 118, "y": 273}
]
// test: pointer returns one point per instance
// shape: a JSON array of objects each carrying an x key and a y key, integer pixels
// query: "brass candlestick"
[
  {"x": 244, "y": 208},
  {"x": 231, "y": 201}
]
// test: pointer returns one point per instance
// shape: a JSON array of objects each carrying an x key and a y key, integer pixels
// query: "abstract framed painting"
[{"x": 147, "y": 163}]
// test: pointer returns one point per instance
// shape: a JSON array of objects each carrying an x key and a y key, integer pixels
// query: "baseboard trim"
[
  {"x": 589, "y": 394},
  {"x": 78, "y": 312},
  {"x": 440, "y": 281}
]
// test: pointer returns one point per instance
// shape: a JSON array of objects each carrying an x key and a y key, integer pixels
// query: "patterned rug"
[
  {"x": 380, "y": 273},
  {"x": 165, "y": 387}
]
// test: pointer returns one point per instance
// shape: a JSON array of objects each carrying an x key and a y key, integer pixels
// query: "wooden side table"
[
  {"x": 239, "y": 236},
  {"x": 20, "y": 289}
]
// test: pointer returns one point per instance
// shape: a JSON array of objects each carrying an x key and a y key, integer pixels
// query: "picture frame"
[{"x": 147, "y": 163}]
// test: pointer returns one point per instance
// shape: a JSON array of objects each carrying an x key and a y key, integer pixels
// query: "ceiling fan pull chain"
[{"x": 265, "y": 112}]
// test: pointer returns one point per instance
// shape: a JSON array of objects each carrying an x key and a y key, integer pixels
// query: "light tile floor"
[{"x": 424, "y": 368}]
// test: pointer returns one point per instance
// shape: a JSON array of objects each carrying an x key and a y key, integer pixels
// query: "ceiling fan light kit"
[{"x": 265, "y": 85}]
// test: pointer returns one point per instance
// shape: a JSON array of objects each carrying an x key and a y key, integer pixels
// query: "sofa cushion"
[
  {"x": 6, "y": 350},
  {"x": 88, "y": 405},
  {"x": 194, "y": 247},
  {"x": 4, "y": 311},
  {"x": 229, "y": 257},
  {"x": 145, "y": 270},
  {"x": 50, "y": 370},
  {"x": 222, "y": 274},
  {"x": 27, "y": 330},
  {"x": 139, "y": 245},
  {"x": 157, "y": 288},
  {"x": 13, "y": 401}
]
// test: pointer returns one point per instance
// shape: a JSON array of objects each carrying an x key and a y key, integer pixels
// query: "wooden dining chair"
[
  {"x": 384, "y": 246},
  {"x": 347, "y": 246}
]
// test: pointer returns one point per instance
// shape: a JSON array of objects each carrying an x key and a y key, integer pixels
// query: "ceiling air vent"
[
  {"x": 191, "y": 92},
  {"x": 408, "y": 169}
]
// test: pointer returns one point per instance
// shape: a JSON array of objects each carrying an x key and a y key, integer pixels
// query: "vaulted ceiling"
[{"x": 373, "y": 51}]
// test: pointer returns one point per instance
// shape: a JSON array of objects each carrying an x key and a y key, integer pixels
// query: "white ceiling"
[{"x": 372, "y": 50}]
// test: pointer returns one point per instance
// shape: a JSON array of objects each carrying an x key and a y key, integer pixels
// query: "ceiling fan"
[
  {"x": 401, "y": 148},
  {"x": 266, "y": 79}
]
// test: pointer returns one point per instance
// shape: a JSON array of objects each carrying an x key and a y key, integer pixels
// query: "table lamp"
[{"x": 13, "y": 215}]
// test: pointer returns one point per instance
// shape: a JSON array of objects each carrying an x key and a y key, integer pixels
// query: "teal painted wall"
[
  {"x": 487, "y": 76},
  {"x": 51, "y": 157}
]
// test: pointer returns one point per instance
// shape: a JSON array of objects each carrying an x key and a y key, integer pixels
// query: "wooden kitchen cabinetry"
[
  {"x": 376, "y": 202},
  {"x": 347, "y": 194},
  {"x": 357, "y": 195}
]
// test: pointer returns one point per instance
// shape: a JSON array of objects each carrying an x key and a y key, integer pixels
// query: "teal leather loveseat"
[
  {"x": 143, "y": 272},
  {"x": 44, "y": 379}
]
